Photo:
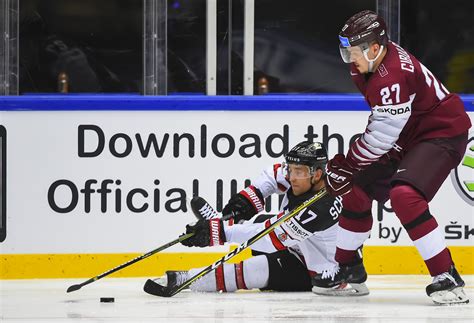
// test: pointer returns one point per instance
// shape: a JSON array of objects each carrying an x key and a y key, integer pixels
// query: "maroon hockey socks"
[{"x": 412, "y": 210}]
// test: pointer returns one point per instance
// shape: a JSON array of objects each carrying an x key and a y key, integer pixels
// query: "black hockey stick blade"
[
  {"x": 153, "y": 288},
  {"x": 73, "y": 288}
]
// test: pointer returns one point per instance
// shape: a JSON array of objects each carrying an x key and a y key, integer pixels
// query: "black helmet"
[
  {"x": 364, "y": 27},
  {"x": 312, "y": 154}
]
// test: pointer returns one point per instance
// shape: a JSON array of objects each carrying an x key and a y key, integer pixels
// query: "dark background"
[{"x": 98, "y": 45}]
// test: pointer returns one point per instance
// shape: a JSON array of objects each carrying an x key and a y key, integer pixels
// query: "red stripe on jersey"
[
  {"x": 239, "y": 275},
  {"x": 275, "y": 170},
  {"x": 280, "y": 186},
  {"x": 357, "y": 159},
  {"x": 274, "y": 239},
  {"x": 220, "y": 280},
  {"x": 362, "y": 144}
]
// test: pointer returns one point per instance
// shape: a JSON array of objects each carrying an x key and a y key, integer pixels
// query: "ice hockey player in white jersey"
[{"x": 293, "y": 252}]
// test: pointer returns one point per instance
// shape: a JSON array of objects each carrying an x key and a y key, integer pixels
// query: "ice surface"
[{"x": 392, "y": 299}]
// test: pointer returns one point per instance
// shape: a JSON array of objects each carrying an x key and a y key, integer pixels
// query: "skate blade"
[
  {"x": 343, "y": 290},
  {"x": 450, "y": 297}
]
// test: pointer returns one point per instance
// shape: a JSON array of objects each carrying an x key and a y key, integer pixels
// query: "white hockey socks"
[{"x": 248, "y": 274}]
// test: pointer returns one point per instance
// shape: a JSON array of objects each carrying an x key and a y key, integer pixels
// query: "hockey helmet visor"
[
  {"x": 350, "y": 53},
  {"x": 298, "y": 171}
]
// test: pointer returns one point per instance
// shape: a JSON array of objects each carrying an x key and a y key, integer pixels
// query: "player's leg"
[
  {"x": 248, "y": 274},
  {"x": 355, "y": 223},
  {"x": 415, "y": 184},
  {"x": 342, "y": 280},
  {"x": 287, "y": 273},
  {"x": 279, "y": 271}
]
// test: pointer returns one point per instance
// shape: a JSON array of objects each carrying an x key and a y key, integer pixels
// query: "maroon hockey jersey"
[{"x": 409, "y": 104}]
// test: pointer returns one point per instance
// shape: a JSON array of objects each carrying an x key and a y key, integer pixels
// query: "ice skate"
[
  {"x": 348, "y": 280},
  {"x": 172, "y": 278},
  {"x": 203, "y": 210},
  {"x": 447, "y": 289}
]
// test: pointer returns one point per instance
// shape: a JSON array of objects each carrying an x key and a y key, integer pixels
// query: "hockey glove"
[
  {"x": 338, "y": 176},
  {"x": 245, "y": 204},
  {"x": 206, "y": 233}
]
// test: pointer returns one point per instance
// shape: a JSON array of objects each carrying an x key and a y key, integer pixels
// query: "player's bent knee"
[{"x": 403, "y": 194}]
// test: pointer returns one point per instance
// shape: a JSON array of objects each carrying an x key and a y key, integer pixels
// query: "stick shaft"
[{"x": 130, "y": 262}]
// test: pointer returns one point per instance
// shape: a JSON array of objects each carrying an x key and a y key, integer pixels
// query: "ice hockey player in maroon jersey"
[
  {"x": 286, "y": 257},
  {"x": 416, "y": 134}
]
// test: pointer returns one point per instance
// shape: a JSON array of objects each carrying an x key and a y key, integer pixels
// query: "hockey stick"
[
  {"x": 73, "y": 288},
  {"x": 153, "y": 288}
]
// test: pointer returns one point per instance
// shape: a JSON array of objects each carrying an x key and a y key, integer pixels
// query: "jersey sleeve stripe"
[
  {"x": 275, "y": 170},
  {"x": 274, "y": 239},
  {"x": 365, "y": 149}
]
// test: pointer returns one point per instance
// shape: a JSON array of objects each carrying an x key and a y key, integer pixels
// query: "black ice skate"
[
  {"x": 447, "y": 288},
  {"x": 203, "y": 210},
  {"x": 347, "y": 280}
]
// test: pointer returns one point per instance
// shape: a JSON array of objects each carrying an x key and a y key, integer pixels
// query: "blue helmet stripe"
[{"x": 344, "y": 41}]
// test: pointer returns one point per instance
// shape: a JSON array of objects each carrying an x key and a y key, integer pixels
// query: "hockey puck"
[{"x": 107, "y": 299}]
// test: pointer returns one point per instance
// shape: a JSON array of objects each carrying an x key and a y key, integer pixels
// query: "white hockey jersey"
[{"x": 310, "y": 235}]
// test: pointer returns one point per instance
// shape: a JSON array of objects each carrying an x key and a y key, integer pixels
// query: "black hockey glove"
[
  {"x": 206, "y": 233},
  {"x": 244, "y": 205}
]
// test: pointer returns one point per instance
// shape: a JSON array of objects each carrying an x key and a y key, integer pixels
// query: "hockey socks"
[
  {"x": 412, "y": 210},
  {"x": 422, "y": 228},
  {"x": 249, "y": 274},
  {"x": 355, "y": 223}
]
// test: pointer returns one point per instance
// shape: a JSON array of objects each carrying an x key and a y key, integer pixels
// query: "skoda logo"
[{"x": 463, "y": 175}]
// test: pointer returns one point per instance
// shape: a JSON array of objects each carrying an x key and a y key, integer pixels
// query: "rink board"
[
  {"x": 93, "y": 181},
  {"x": 378, "y": 260}
]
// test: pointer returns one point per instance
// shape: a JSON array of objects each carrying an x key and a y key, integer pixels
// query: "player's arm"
[
  {"x": 391, "y": 106},
  {"x": 217, "y": 232},
  {"x": 251, "y": 200},
  {"x": 272, "y": 180},
  {"x": 316, "y": 218},
  {"x": 308, "y": 222},
  {"x": 391, "y": 109}
]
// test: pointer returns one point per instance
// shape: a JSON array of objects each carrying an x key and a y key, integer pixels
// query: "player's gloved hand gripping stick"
[
  {"x": 73, "y": 288},
  {"x": 153, "y": 288}
]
